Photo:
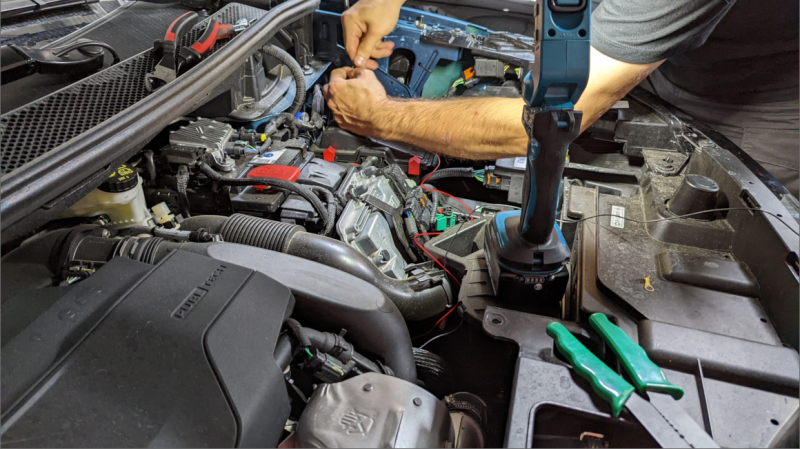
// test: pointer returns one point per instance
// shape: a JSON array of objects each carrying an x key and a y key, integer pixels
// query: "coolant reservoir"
[{"x": 120, "y": 197}]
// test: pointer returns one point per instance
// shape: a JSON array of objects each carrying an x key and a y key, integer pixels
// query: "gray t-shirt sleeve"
[{"x": 646, "y": 31}]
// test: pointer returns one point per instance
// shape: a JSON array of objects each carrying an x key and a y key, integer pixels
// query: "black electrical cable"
[
  {"x": 265, "y": 146},
  {"x": 332, "y": 206},
  {"x": 272, "y": 182},
  {"x": 458, "y": 172},
  {"x": 722, "y": 209},
  {"x": 74, "y": 46},
  {"x": 297, "y": 74}
]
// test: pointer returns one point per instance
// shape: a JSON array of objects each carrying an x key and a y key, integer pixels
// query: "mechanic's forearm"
[
  {"x": 469, "y": 128},
  {"x": 491, "y": 128},
  {"x": 609, "y": 81}
]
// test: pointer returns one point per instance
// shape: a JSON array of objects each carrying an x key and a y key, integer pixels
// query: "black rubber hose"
[
  {"x": 76, "y": 45},
  {"x": 434, "y": 372},
  {"x": 283, "y": 351},
  {"x": 297, "y": 74},
  {"x": 458, "y": 172},
  {"x": 330, "y": 343},
  {"x": 151, "y": 165},
  {"x": 246, "y": 230},
  {"x": 272, "y": 182},
  {"x": 299, "y": 332},
  {"x": 413, "y": 304}
]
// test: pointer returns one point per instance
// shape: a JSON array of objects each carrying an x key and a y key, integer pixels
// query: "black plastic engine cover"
[{"x": 183, "y": 359}]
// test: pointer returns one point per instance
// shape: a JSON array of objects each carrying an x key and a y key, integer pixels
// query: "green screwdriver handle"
[
  {"x": 605, "y": 382},
  {"x": 646, "y": 375}
]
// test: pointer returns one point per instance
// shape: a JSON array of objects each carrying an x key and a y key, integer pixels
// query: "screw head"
[
  {"x": 417, "y": 402},
  {"x": 368, "y": 387}
]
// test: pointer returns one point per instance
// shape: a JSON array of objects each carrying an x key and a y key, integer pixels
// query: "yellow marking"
[{"x": 647, "y": 285}]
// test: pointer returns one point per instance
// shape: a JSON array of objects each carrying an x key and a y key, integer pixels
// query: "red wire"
[
  {"x": 446, "y": 271},
  {"x": 439, "y": 321},
  {"x": 446, "y": 314},
  {"x": 438, "y": 162},
  {"x": 431, "y": 255}
]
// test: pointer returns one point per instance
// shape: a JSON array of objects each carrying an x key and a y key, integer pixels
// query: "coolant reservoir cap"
[{"x": 122, "y": 179}]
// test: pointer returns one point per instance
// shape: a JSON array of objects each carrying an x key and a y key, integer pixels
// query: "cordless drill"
[{"x": 525, "y": 248}]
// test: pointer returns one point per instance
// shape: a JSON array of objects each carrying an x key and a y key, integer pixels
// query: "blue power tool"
[{"x": 525, "y": 248}]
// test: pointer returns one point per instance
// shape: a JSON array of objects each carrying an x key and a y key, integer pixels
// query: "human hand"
[
  {"x": 365, "y": 25},
  {"x": 356, "y": 98}
]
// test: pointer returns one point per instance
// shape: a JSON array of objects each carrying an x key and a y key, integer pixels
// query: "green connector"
[{"x": 444, "y": 222}]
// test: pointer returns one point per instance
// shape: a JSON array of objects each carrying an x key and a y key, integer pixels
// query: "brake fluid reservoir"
[{"x": 120, "y": 197}]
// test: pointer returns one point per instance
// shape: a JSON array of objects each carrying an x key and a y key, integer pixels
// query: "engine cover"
[{"x": 183, "y": 359}]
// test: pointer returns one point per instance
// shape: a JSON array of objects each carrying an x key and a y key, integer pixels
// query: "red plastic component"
[
  {"x": 413, "y": 166},
  {"x": 329, "y": 154},
  {"x": 207, "y": 40},
  {"x": 284, "y": 172},
  {"x": 170, "y": 36},
  {"x": 225, "y": 31}
]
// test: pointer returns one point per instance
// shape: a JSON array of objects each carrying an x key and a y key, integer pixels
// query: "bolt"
[
  {"x": 417, "y": 402},
  {"x": 368, "y": 387}
]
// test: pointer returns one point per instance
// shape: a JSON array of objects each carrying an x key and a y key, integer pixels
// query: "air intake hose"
[{"x": 414, "y": 303}]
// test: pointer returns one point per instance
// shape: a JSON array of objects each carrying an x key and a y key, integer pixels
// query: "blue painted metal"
[
  {"x": 406, "y": 36},
  {"x": 426, "y": 56},
  {"x": 326, "y": 47}
]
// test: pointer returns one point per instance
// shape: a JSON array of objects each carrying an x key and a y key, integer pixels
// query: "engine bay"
[{"x": 217, "y": 263}]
